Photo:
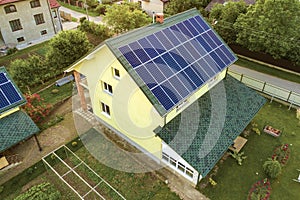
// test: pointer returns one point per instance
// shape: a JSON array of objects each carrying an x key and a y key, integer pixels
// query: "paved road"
[
  {"x": 78, "y": 15},
  {"x": 267, "y": 78}
]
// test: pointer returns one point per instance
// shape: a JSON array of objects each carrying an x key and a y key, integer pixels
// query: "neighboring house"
[
  {"x": 150, "y": 6},
  {"x": 24, "y": 22},
  {"x": 211, "y": 4},
  {"x": 15, "y": 125},
  {"x": 151, "y": 85}
]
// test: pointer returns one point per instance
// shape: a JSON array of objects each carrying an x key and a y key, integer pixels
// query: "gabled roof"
[
  {"x": 53, "y": 3},
  {"x": 187, "y": 55},
  {"x": 15, "y": 128},
  {"x": 10, "y": 95},
  {"x": 202, "y": 133}
]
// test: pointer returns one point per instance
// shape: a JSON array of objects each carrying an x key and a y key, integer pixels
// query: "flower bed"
[
  {"x": 261, "y": 190},
  {"x": 282, "y": 154},
  {"x": 272, "y": 131}
]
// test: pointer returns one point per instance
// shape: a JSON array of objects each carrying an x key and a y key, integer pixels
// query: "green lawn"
[
  {"x": 268, "y": 70},
  {"x": 63, "y": 92},
  {"x": 234, "y": 181},
  {"x": 39, "y": 49}
]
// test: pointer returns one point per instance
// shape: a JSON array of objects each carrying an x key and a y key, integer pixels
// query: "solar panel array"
[
  {"x": 9, "y": 95},
  {"x": 177, "y": 60}
]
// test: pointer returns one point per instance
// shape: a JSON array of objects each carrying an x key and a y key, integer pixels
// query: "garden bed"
[{"x": 272, "y": 131}]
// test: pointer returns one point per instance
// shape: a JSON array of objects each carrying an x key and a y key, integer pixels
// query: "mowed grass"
[{"x": 234, "y": 181}]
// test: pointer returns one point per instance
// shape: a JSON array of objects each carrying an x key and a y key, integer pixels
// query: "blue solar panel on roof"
[
  {"x": 175, "y": 61},
  {"x": 3, "y": 78},
  {"x": 9, "y": 95}
]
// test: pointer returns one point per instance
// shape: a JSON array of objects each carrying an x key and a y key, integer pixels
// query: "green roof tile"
[
  {"x": 202, "y": 133},
  {"x": 14, "y": 128}
]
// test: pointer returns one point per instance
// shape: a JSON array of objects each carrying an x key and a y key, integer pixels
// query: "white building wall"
[
  {"x": 151, "y": 6},
  {"x": 30, "y": 31}
]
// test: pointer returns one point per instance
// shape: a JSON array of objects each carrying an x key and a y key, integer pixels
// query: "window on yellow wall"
[
  {"x": 107, "y": 88},
  {"x": 116, "y": 73},
  {"x": 105, "y": 109}
]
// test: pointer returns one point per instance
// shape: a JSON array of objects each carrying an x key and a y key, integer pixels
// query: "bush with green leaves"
[
  {"x": 29, "y": 72},
  {"x": 272, "y": 168},
  {"x": 66, "y": 48},
  {"x": 99, "y": 30},
  {"x": 125, "y": 17},
  {"x": 239, "y": 157},
  {"x": 40, "y": 192}
]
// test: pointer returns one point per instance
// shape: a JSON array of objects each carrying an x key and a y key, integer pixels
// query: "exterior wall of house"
[
  {"x": 56, "y": 19},
  {"x": 30, "y": 31},
  {"x": 130, "y": 112},
  {"x": 195, "y": 96}
]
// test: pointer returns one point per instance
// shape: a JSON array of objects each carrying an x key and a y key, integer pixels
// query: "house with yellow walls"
[
  {"x": 164, "y": 88},
  {"x": 15, "y": 125}
]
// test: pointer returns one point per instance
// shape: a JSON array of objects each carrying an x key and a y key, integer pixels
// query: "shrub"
[
  {"x": 74, "y": 144},
  {"x": 36, "y": 108},
  {"x": 12, "y": 50},
  {"x": 282, "y": 154},
  {"x": 261, "y": 190},
  {"x": 100, "y": 9},
  {"x": 239, "y": 157},
  {"x": 272, "y": 168},
  {"x": 54, "y": 91},
  {"x": 212, "y": 182}
]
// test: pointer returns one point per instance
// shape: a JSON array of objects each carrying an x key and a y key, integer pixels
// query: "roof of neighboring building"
[
  {"x": 53, "y": 3},
  {"x": 10, "y": 96},
  {"x": 15, "y": 128},
  {"x": 202, "y": 133},
  {"x": 210, "y": 5},
  {"x": 116, "y": 44}
]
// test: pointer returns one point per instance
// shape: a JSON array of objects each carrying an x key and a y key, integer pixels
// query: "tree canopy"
[
  {"x": 271, "y": 26},
  {"x": 65, "y": 48},
  {"x": 223, "y": 17},
  {"x": 27, "y": 73},
  {"x": 125, "y": 17},
  {"x": 178, "y": 6}
]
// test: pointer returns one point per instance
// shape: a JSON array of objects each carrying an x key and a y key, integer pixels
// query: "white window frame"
[
  {"x": 107, "y": 88},
  {"x": 116, "y": 75},
  {"x": 105, "y": 110}
]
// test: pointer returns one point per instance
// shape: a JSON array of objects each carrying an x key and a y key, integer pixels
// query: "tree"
[
  {"x": 272, "y": 168},
  {"x": 65, "y": 48},
  {"x": 125, "y": 17},
  {"x": 29, "y": 72},
  {"x": 99, "y": 30},
  {"x": 178, "y": 6},
  {"x": 271, "y": 26},
  {"x": 224, "y": 16}
]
